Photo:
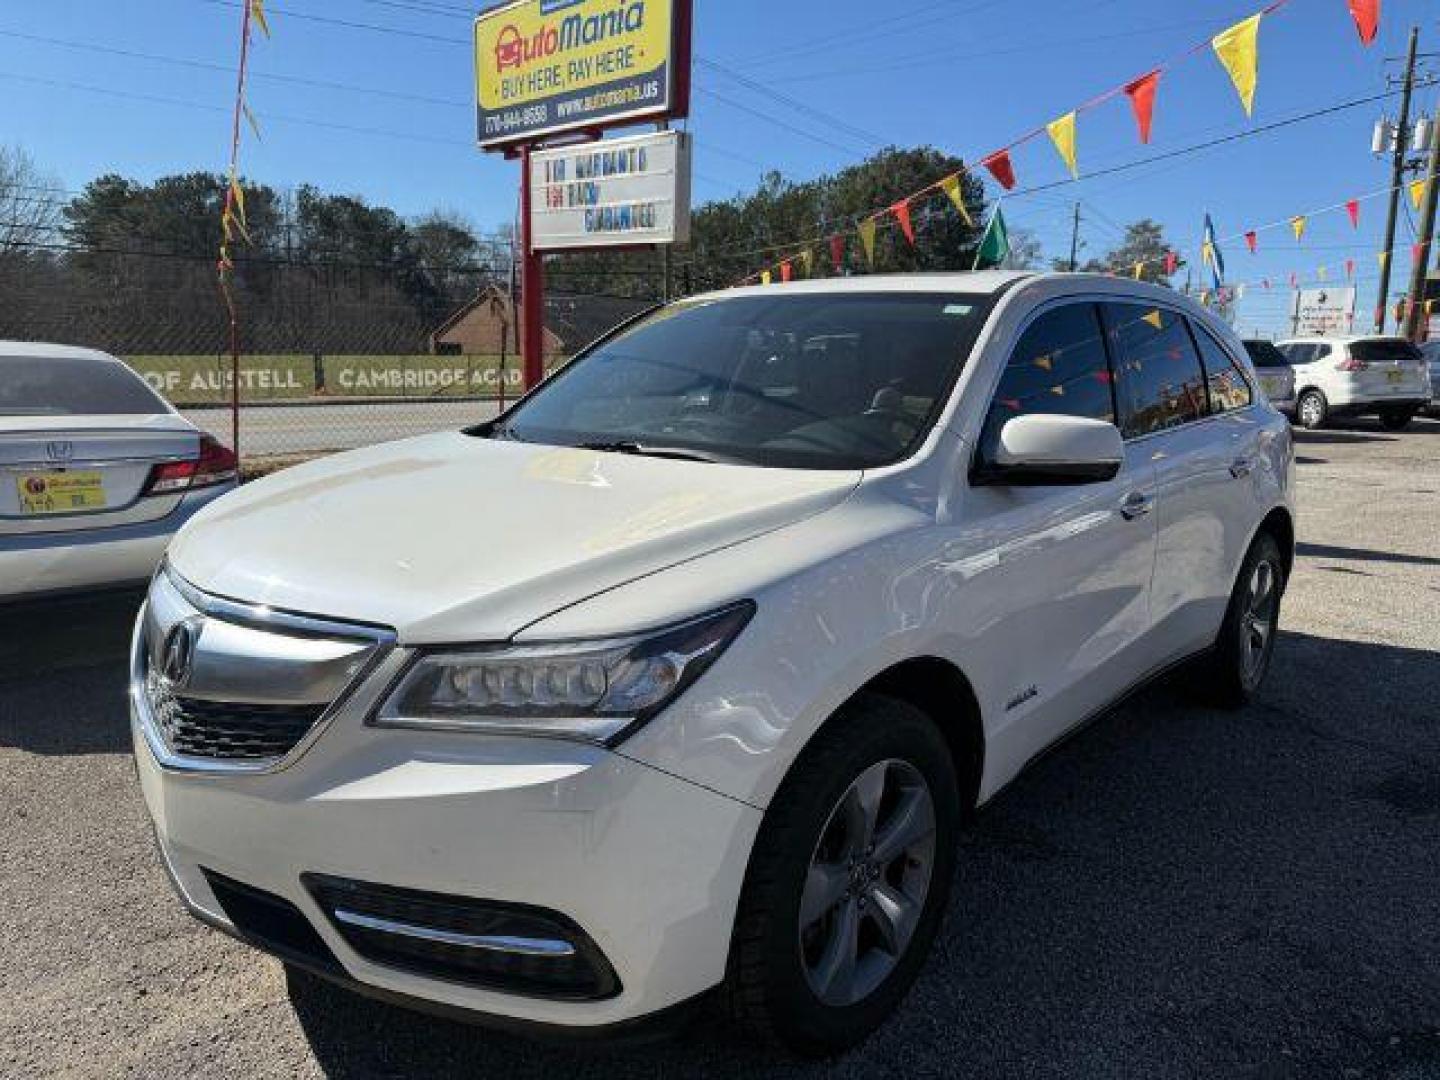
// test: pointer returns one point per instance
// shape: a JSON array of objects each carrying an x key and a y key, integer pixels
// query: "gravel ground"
[{"x": 1176, "y": 892}]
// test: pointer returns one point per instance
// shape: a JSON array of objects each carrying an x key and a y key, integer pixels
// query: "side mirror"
[{"x": 1043, "y": 451}]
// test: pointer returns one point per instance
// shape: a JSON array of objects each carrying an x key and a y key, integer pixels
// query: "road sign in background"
[
  {"x": 548, "y": 66},
  {"x": 612, "y": 193},
  {"x": 1322, "y": 312}
]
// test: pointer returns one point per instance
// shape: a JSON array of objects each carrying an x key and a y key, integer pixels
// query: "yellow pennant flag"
[
  {"x": 1045, "y": 363},
  {"x": 1207, "y": 253},
  {"x": 807, "y": 261},
  {"x": 250, "y": 119},
  {"x": 1383, "y": 257},
  {"x": 1239, "y": 50},
  {"x": 765, "y": 277},
  {"x": 1417, "y": 193},
  {"x": 1298, "y": 226},
  {"x": 867, "y": 239},
  {"x": 1155, "y": 319},
  {"x": 1062, "y": 134},
  {"x": 1139, "y": 270},
  {"x": 257, "y": 12},
  {"x": 1058, "y": 391},
  {"x": 951, "y": 186}
]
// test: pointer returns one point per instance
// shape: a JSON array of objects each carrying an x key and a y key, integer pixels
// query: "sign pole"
[{"x": 532, "y": 285}]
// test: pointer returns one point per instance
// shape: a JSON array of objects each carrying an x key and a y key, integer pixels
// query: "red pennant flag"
[
  {"x": 786, "y": 271},
  {"x": 1417, "y": 252},
  {"x": 1350, "y": 269},
  {"x": 1142, "y": 99},
  {"x": 1001, "y": 168},
  {"x": 1294, "y": 281},
  {"x": 1252, "y": 241},
  {"x": 837, "y": 251},
  {"x": 1353, "y": 209},
  {"x": 901, "y": 210},
  {"x": 1172, "y": 263},
  {"x": 1367, "y": 18}
]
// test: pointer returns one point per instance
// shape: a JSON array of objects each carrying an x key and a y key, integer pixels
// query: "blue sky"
[{"x": 962, "y": 75}]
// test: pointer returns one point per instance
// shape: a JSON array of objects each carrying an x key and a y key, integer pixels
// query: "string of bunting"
[{"x": 1237, "y": 48}]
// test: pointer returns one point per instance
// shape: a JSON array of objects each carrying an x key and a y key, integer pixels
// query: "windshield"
[
  {"x": 835, "y": 381},
  {"x": 72, "y": 386},
  {"x": 1265, "y": 355}
]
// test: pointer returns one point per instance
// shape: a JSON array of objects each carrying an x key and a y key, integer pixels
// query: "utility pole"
[
  {"x": 1075, "y": 242},
  {"x": 1397, "y": 180},
  {"x": 1421, "y": 274}
]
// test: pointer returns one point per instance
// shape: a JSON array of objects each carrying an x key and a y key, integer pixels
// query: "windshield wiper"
[{"x": 635, "y": 449}]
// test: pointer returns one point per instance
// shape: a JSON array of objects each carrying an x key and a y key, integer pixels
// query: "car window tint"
[
  {"x": 1229, "y": 389},
  {"x": 1059, "y": 367},
  {"x": 72, "y": 386},
  {"x": 1385, "y": 351},
  {"x": 1265, "y": 355},
  {"x": 1160, "y": 384}
]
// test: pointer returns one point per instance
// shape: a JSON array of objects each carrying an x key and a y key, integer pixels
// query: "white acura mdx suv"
[{"x": 678, "y": 680}]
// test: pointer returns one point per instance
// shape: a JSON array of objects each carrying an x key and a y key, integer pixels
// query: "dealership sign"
[
  {"x": 1322, "y": 312},
  {"x": 547, "y": 66},
  {"x": 614, "y": 193}
]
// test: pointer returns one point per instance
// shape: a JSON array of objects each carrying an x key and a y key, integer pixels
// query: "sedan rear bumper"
[{"x": 57, "y": 563}]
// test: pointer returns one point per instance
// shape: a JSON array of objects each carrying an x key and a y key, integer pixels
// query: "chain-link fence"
[{"x": 331, "y": 359}]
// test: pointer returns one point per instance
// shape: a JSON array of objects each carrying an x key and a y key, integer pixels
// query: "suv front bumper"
[{"x": 648, "y": 866}]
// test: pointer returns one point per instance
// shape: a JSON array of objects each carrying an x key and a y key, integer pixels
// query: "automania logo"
[{"x": 515, "y": 50}]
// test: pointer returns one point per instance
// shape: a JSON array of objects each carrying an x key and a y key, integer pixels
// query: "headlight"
[{"x": 594, "y": 691}]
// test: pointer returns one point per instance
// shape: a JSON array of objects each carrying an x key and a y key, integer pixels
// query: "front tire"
[
  {"x": 1311, "y": 410},
  {"x": 1235, "y": 670},
  {"x": 849, "y": 880}
]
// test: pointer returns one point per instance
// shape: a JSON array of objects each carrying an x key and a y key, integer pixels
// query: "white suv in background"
[
  {"x": 1357, "y": 376},
  {"x": 677, "y": 680}
]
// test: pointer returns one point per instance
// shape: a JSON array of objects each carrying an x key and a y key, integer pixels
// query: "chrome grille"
[{"x": 219, "y": 686}]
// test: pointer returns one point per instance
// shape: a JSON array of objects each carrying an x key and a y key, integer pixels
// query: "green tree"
[{"x": 1145, "y": 243}]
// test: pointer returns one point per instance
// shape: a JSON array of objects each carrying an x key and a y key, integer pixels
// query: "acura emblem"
[
  {"x": 60, "y": 450},
  {"x": 178, "y": 656}
]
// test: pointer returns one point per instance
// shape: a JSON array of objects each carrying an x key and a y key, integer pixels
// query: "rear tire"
[
  {"x": 1233, "y": 673},
  {"x": 1396, "y": 419},
  {"x": 1312, "y": 410},
  {"x": 848, "y": 882}
]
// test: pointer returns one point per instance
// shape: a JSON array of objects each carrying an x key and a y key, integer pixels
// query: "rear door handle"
[
  {"x": 1137, "y": 505},
  {"x": 1242, "y": 467}
]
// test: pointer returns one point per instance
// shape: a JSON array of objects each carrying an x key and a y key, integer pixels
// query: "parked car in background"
[
  {"x": 97, "y": 472},
  {"x": 1431, "y": 352},
  {"x": 1277, "y": 377},
  {"x": 1357, "y": 376},
  {"x": 788, "y": 580}
]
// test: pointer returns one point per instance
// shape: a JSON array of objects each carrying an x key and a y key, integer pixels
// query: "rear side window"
[
  {"x": 1160, "y": 384},
  {"x": 1059, "y": 367},
  {"x": 72, "y": 386},
  {"x": 1229, "y": 389},
  {"x": 1265, "y": 355},
  {"x": 1385, "y": 352}
]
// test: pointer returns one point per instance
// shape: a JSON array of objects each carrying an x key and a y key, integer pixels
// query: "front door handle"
[
  {"x": 1242, "y": 467},
  {"x": 1137, "y": 505}
]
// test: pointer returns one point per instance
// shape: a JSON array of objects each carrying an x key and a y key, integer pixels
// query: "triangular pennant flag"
[
  {"x": 1155, "y": 319},
  {"x": 1350, "y": 269},
  {"x": 250, "y": 119},
  {"x": 807, "y": 261},
  {"x": 1252, "y": 241},
  {"x": 1353, "y": 209},
  {"x": 765, "y": 277},
  {"x": 837, "y": 252},
  {"x": 1294, "y": 281},
  {"x": 1417, "y": 192},
  {"x": 257, "y": 12},
  {"x": 1367, "y": 18},
  {"x": 787, "y": 272},
  {"x": 1001, "y": 167},
  {"x": 867, "y": 239},
  {"x": 995, "y": 245},
  {"x": 901, "y": 210},
  {"x": 1384, "y": 259},
  {"x": 1172, "y": 263},
  {"x": 1239, "y": 50},
  {"x": 1046, "y": 362},
  {"x": 1142, "y": 99},
  {"x": 1298, "y": 224},
  {"x": 1205, "y": 297},
  {"x": 1139, "y": 270},
  {"x": 956, "y": 193},
  {"x": 1417, "y": 252},
  {"x": 1062, "y": 134}
]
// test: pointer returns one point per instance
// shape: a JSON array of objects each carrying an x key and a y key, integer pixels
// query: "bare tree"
[{"x": 30, "y": 202}]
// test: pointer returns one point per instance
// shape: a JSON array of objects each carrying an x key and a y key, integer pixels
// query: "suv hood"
[{"x": 451, "y": 538}]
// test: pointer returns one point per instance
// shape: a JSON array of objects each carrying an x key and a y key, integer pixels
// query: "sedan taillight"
[{"x": 215, "y": 465}]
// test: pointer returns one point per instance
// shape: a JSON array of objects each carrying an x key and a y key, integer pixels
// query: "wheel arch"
[{"x": 1280, "y": 524}]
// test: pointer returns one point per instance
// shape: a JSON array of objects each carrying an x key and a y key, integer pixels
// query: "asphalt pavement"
[{"x": 1174, "y": 892}]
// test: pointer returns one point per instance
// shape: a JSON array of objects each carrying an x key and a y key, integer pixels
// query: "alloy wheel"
[
  {"x": 867, "y": 883},
  {"x": 1257, "y": 623}
]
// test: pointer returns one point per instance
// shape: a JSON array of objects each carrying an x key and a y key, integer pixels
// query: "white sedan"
[{"x": 97, "y": 472}]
